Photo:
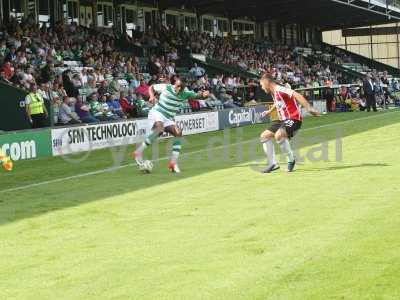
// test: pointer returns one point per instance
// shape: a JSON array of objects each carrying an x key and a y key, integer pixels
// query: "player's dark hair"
[
  {"x": 173, "y": 79},
  {"x": 176, "y": 78}
]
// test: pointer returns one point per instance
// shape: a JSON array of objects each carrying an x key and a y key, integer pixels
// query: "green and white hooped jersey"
[{"x": 169, "y": 102}]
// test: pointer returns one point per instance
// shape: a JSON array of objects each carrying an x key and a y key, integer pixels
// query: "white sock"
[
  {"x": 286, "y": 149},
  {"x": 142, "y": 147},
  {"x": 269, "y": 151},
  {"x": 174, "y": 156}
]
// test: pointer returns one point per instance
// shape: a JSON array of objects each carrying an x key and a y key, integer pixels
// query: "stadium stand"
[{"x": 90, "y": 75}]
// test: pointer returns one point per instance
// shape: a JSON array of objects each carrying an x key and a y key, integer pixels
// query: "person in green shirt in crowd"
[
  {"x": 97, "y": 109},
  {"x": 142, "y": 106}
]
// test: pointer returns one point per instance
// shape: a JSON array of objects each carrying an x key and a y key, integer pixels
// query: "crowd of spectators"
[
  {"x": 86, "y": 80},
  {"x": 77, "y": 71}
]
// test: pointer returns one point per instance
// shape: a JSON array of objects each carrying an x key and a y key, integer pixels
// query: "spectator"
[
  {"x": 70, "y": 88},
  {"x": 97, "y": 109},
  {"x": 142, "y": 107},
  {"x": 126, "y": 105},
  {"x": 66, "y": 114},
  {"x": 3, "y": 77},
  {"x": 114, "y": 86},
  {"x": 11, "y": 56},
  {"x": 152, "y": 67},
  {"x": 369, "y": 91},
  {"x": 47, "y": 73},
  {"x": 115, "y": 107},
  {"x": 8, "y": 70},
  {"x": 55, "y": 105},
  {"x": 133, "y": 82},
  {"x": 143, "y": 89},
  {"x": 35, "y": 108},
  {"x": 226, "y": 99},
  {"x": 106, "y": 109},
  {"x": 83, "y": 111},
  {"x": 131, "y": 96},
  {"x": 197, "y": 71},
  {"x": 329, "y": 95},
  {"x": 237, "y": 98}
]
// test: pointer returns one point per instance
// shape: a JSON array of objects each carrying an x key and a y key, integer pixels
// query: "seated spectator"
[
  {"x": 226, "y": 99},
  {"x": 7, "y": 70},
  {"x": 47, "y": 73},
  {"x": 205, "y": 104},
  {"x": 103, "y": 89},
  {"x": 114, "y": 106},
  {"x": 143, "y": 89},
  {"x": 173, "y": 55},
  {"x": 96, "y": 108},
  {"x": 107, "y": 110},
  {"x": 131, "y": 96},
  {"x": 3, "y": 77},
  {"x": 153, "y": 67},
  {"x": 83, "y": 111},
  {"x": 237, "y": 98},
  {"x": 344, "y": 93},
  {"x": 170, "y": 68},
  {"x": 126, "y": 105},
  {"x": 142, "y": 107},
  {"x": 70, "y": 88},
  {"x": 66, "y": 114},
  {"x": 55, "y": 106},
  {"x": 77, "y": 81},
  {"x": 197, "y": 71},
  {"x": 153, "y": 80},
  {"x": 133, "y": 82},
  {"x": 11, "y": 56},
  {"x": 114, "y": 86}
]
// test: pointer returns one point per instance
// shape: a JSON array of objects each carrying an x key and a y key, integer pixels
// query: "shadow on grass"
[
  {"x": 335, "y": 168},
  {"x": 45, "y": 198}
]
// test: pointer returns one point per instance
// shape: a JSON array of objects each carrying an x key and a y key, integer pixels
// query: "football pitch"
[{"x": 93, "y": 227}]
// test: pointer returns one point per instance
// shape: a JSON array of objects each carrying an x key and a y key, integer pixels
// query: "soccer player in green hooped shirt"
[{"x": 171, "y": 99}]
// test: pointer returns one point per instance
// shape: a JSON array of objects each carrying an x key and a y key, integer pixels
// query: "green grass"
[{"x": 219, "y": 230}]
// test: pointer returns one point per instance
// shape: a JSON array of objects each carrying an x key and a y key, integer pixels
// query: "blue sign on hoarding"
[{"x": 243, "y": 116}]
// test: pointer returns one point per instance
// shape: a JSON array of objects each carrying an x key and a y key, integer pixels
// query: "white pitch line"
[{"x": 32, "y": 185}]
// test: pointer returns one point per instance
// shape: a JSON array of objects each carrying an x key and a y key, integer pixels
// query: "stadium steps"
[
  {"x": 366, "y": 62},
  {"x": 357, "y": 67},
  {"x": 350, "y": 73},
  {"x": 214, "y": 67}
]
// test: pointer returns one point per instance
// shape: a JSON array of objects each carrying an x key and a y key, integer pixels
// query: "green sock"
[
  {"x": 176, "y": 150},
  {"x": 151, "y": 138}
]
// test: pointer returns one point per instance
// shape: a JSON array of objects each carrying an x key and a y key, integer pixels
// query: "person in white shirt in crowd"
[
  {"x": 173, "y": 55},
  {"x": 84, "y": 76},
  {"x": 77, "y": 80},
  {"x": 66, "y": 113},
  {"x": 55, "y": 106},
  {"x": 217, "y": 80},
  {"x": 21, "y": 58},
  {"x": 197, "y": 71},
  {"x": 45, "y": 92},
  {"x": 134, "y": 82},
  {"x": 171, "y": 69},
  {"x": 226, "y": 99},
  {"x": 230, "y": 82}
]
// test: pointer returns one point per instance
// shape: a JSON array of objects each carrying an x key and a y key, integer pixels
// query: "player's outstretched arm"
[
  {"x": 156, "y": 88},
  {"x": 202, "y": 95},
  {"x": 269, "y": 111},
  {"x": 300, "y": 98},
  {"x": 152, "y": 98}
]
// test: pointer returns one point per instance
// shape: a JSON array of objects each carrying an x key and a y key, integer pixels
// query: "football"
[{"x": 147, "y": 166}]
